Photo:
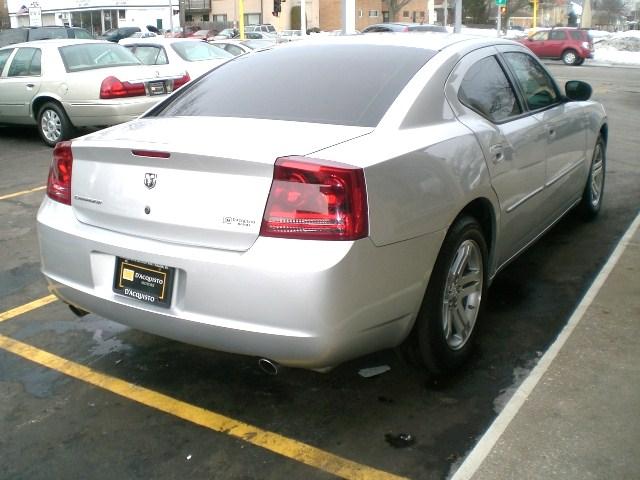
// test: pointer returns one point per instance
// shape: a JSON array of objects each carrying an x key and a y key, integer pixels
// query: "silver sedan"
[
  {"x": 62, "y": 84},
  {"x": 371, "y": 206}
]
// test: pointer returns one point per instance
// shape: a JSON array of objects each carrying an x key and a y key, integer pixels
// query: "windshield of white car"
[
  {"x": 332, "y": 84},
  {"x": 195, "y": 51},
  {"x": 89, "y": 56}
]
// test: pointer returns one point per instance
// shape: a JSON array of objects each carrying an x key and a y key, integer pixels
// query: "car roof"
[
  {"x": 426, "y": 40},
  {"x": 157, "y": 40},
  {"x": 56, "y": 42}
]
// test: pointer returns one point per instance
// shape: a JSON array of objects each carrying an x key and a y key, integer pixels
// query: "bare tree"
[{"x": 394, "y": 7}]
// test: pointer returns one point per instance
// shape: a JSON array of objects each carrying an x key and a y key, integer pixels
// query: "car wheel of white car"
[
  {"x": 446, "y": 323},
  {"x": 594, "y": 189},
  {"x": 570, "y": 57},
  {"x": 54, "y": 124}
]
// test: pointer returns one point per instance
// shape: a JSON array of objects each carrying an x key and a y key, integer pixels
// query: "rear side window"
[
  {"x": 193, "y": 51},
  {"x": 26, "y": 62},
  {"x": 486, "y": 90},
  {"x": 558, "y": 35},
  {"x": 45, "y": 33},
  {"x": 537, "y": 86},
  {"x": 89, "y": 56},
  {"x": 578, "y": 35},
  {"x": 336, "y": 84}
]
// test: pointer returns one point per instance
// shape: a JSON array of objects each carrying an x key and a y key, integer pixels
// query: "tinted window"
[
  {"x": 80, "y": 33},
  {"x": 538, "y": 88},
  {"x": 4, "y": 56},
  {"x": 196, "y": 51},
  {"x": 558, "y": 35},
  {"x": 233, "y": 49},
  {"x": 485, "y": 88},
  {"x": 96, "y": 55},
  {"x": 334, "y": 84},
  {"x": 578, "y": 34},
  {"x": 149, "y": 54},
  {"x": 47, "y": 33},
  {"x": 13, "y": 36},
  {"x": 23, "y": 63}
]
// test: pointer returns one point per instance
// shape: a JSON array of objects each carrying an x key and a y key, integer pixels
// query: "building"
[
  {"x": 4, "y": 15},
  {"x": 97, "y": 16}
]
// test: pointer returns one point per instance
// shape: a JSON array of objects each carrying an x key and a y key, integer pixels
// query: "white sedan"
[
  {"x": 59, "y": 85},
  {"x": 197, "y": 57}
]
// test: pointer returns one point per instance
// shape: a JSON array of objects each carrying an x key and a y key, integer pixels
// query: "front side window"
[
  {"x": 82, "y": 34},
  {"x": 486, "y": 89},
  {"x": 26, "y": 62},
  {"x": 540, "y": 36},
  {"x": 89, "y": 56},
  {"x": 537, "y": 86}
]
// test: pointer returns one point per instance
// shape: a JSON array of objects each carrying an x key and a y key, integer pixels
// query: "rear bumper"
[
  {"x": 307, "y": 304},
  {"x": 109, "y": 112}
]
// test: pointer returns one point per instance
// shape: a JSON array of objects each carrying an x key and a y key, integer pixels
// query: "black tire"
[
  {"x": 580, "y": 61},
  {"x": 436, "y": 339},
  {"x": 593, "y": 193},
  {"x": 53, "y": 124},
  {"x": 570, "y": 57}
]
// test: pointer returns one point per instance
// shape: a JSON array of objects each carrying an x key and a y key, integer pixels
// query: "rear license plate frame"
[{"x": 145, "y": 282}]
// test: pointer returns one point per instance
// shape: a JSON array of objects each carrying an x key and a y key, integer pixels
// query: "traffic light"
[
  {"x": 503, "y": 10},
  {"x": 277, "y": 7}
]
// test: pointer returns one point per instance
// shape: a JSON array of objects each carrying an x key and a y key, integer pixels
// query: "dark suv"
[
  {"x": 28, "y": 34},
  {"x": 569, "y": 44}
]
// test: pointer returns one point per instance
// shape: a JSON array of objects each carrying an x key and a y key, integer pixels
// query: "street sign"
[{"x": 501, "y": 2}]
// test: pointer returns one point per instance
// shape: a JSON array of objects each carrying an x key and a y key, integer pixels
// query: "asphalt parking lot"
[{"x": 88, "y": 398}]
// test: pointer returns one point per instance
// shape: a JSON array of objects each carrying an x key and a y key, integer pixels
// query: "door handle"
[
  {"x": 30, "y": 85},
  {"x": 551, "y": 131}
]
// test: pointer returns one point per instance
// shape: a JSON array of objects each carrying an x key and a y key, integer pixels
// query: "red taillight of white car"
[
  {"x": 316, "y": 200},
  {"x": 59, "y": 182},
  {"x": 111, "y": 87},
  {"x": 178, "y": 82}
]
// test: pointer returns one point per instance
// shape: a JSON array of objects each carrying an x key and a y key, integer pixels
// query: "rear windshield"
[
  {"x": 45, "y": 33},
  {"x": 89, "y": 56},
  {"x": 196, "y": 51},
  {"x": 333, "y": 84},
  {"x": 17, "y": 35}
]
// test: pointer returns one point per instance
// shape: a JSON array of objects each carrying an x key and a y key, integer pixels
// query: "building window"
[
  {"x": 220, "y": 18},
  {"x": 188, "y": 18},
  {"x": 252, "y": 19},
  {"x": 122, "y": 15},
  {"x": 405, "y": 14},
  {"x": 421, "y": 14},
  {"x": 205, "y": 18},
  {"x": 359, "y": 13},
  {"x": 373, "y": 13}
]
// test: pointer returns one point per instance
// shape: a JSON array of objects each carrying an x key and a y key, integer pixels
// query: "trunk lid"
[{"x": 210, "y": 189}]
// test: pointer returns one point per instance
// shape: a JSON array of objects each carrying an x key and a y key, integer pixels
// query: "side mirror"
[{"x": 578, "y": 90}]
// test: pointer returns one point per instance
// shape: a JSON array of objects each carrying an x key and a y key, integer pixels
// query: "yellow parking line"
[
  {"x": 14, "y": 312},
  {"x": 24, "y": 192},
  {"x": 287, "y": 447}
]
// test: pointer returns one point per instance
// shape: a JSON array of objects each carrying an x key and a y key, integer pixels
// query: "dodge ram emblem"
[{"x": 150, "y": 180}]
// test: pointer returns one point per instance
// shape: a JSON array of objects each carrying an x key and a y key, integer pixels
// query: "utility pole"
[
  {"x": 457, "y": 26},
  {"x": 348, "y": 17}
]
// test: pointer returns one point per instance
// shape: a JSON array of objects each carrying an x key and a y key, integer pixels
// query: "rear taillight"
[
  {"x": 59, "y": 182},
  {"x": 178, "y": 82},
  {"x": 316, "y": 200},
  {"x": 111, "y": 87}
]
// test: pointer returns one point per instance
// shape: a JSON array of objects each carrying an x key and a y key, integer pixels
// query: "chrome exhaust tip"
[{"x": 269, "y": 367}]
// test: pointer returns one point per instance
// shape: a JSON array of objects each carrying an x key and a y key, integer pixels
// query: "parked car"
[
  {"x": 248, "y": 35},
  {"x": 571, "y": 45},
  {"x": 233, "y": 46},
  {"x": 117, "y": 34},
  {"x": 372, "y": 207},
  {"x": 290, "y": 35},
  {"x": 264, "y": 28},
  {"x": 30, "y": 34},
  {"x": 195, "y": 56},
  {"x": 404, "y": 27},
  {"x": 204, "y": 34},
  {"x": 226, "y": 34},
  {"x": 59, "y": 85}
]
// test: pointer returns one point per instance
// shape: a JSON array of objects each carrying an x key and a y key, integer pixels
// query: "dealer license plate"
[
  {"x": 148, "y": 283},
  {"x": 157, "y": 88}
]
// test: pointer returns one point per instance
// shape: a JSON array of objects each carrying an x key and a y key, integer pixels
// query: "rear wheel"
[
  {"x": 594, "y": 189},
  {"x": 445, "y": 328},
  {"x": 570, "y": 57},
  {"x": 580, "y": 61},
  {"x": 54, "y": 124}
]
